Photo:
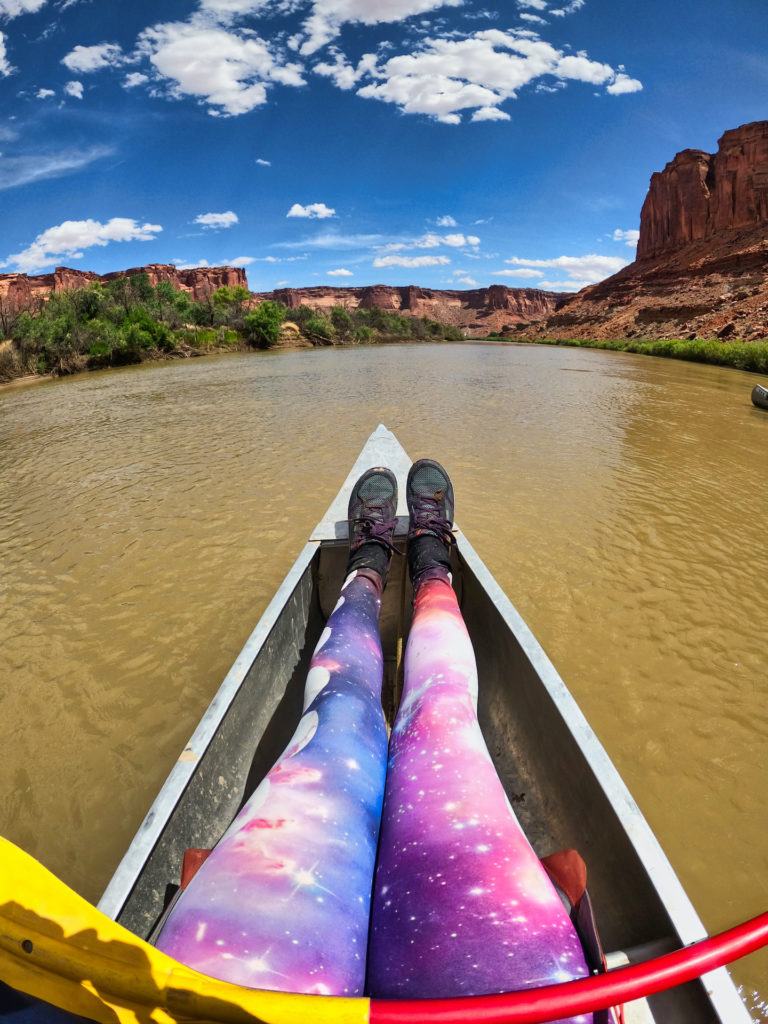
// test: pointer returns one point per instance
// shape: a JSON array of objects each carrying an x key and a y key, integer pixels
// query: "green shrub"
[{"x": 261, "y": 326}]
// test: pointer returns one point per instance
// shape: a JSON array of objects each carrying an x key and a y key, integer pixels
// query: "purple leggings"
[{"x": 460, "y": 902}]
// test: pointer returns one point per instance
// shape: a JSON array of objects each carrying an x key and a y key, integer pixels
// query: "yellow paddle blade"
[{"x": 56, "y": 946}]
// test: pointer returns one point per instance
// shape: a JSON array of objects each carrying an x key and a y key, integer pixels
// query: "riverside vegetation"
[
  {"x": 740, "y": 355},
  {"x": 129, "y": 320}
]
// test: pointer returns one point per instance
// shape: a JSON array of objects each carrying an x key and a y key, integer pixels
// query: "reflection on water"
[{"x": 147, "y": 515}]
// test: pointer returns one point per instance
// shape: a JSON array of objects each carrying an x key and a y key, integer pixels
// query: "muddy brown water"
[{"x": 148, "y": 514}]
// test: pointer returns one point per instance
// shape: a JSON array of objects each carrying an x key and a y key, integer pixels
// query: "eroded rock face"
[
  {"x": 199, "y": 282},
  {"x": 702, "y": 266},
  {"x": 476, "y": 311},
  {"x": 699, "y": 195}
]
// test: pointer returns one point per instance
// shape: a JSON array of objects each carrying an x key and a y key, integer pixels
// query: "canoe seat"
[{"x": 568, "y": 873}]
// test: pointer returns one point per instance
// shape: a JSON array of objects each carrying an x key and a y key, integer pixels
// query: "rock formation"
[
  {"x": 199, "y": 282},
  {"x": 702, "y": 258},
  {"x": 476, "y": 311}
]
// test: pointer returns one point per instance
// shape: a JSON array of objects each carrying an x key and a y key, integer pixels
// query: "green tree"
[{"x": 262, "y": 325}]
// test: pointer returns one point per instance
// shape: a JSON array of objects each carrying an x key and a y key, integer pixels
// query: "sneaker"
[
  {"x": 372, "y": 516},
  {"x": 429, "y": 493}
]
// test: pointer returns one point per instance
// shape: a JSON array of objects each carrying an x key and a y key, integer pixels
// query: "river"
[{"x": 147, "y": 515}]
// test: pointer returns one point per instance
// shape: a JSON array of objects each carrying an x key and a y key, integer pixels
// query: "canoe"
[
  {"x": 565, "y": 790},
  {"x": 760, "y": 396}
]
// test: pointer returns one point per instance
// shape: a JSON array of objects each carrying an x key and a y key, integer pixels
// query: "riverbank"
[{"x": 751, "y": 356}]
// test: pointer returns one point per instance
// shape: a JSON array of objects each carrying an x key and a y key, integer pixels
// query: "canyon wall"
[
  {"x": 702, "y": 258},
  {"x": 199, "y": 282},
  {"x": 476, "y": 311}
]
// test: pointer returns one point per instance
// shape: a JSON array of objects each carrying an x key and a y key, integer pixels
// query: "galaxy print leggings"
[{"x": 461, "y": 904}]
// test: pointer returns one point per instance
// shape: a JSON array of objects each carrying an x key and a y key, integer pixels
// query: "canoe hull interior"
[
  {"x": 559, "y": 779},
  {"x": 554, "y": 791}
]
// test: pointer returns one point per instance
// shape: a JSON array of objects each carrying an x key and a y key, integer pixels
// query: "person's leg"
[
  {"x": 461, "y": 904},
  {"x": 283, "y": 901}
]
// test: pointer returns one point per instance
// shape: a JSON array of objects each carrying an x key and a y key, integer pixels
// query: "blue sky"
[{"x": 439, "y": 142}]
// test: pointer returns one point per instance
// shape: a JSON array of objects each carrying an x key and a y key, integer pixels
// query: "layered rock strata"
[{"x": 702, "y": 258}]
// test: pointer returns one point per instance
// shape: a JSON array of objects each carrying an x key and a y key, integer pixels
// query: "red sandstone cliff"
[
  {"x": 476, "y": 311},
  {"x": 200, "y": 282},
  {"x": 702, "y": 258}
]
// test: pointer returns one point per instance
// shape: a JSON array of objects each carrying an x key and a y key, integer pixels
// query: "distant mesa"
[
  {"x": 702, "y": 258},
  {"x": 199, "y": 282},
  {"x": 476, "y": 311}
]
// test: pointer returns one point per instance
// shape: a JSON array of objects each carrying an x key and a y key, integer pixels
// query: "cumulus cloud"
[
  {"x": 86, "y": 59},
  {"x": 133, "y": 79},
  {"x": 229, "y": 10},
  {"x": 431, "y": 240},
  {"x": 5, "y": 65},
  {"x": 313, "y": 211},
  {"x": 340, "y": 272},
  {"x": 581, "y": 270},
  {"x": 263, "y": 163},
  {"x": 623, "y": 85},
  {"x": 67, "y": 240},
  {"x": 445, "y": 77},
  {"x": 630, "y": 236},
  {"x": 74, "y": 89},
  {"x": 462, "y": 277},
  {"x": 230, "y": 72},
  {"x": 238, "y": 261},
  {"x": 446, "y": 222},
  {"x": 217, "y": 221},
  {"x": 45, "y": 94},
  {"x": 410, "y": 261},
  {"x": 327, "y": 17},
  {"x": 13, "y": 8}
]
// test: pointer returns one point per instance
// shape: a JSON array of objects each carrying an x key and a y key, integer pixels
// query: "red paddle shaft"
[{"x": 553, "y": 1002}]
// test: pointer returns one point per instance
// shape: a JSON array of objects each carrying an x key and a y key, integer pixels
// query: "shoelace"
[
  {"x": 375, "y": 528},
  {"x": 428, "y": 518}
]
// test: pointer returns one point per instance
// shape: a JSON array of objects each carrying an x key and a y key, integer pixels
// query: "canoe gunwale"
[
  {"x": 149, "y": 832},
  {"x": 661, "y": 874}
]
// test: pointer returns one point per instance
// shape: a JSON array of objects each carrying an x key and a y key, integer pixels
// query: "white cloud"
[
  {"x": 340, "y": 272},
  {"x": 520, "y": 272},
  {"x": 13, "y": 8},
  {"x": 313, "y": 211},
  {"x": 74, "y": 89},
  {"x": 85, "y": 59},
  {"x": 630, "y": 237},
  {"x": 623, "y": 85},
  {"x": 461, "y": 277},
  {"x": 20, "y": 170},
  {"x": 72, "y": 236},
  {"x": 333, "y": 240},
  {"x": 446, "y": 222},
  {"x": 444, "y": 77},
  {"x": 411, "y": 261},
  {"x": 431, "y": 240},
  {"x": 217, "y": 221},
  {"x": 227, "y": 71},
  {"x": 490, "y": 114},
  {"x": 133, "y": 79},
  {"x": 229, "y": 10},
  {"x": 328, "y": 16},
  {"x": 533, "y": 19},
  {"x": 45, "y": 94},
  {"x": 240, "y": 261},
  {"x": 263, "y": 163},
  {"x": 5, "y": 65},
  {"x": 582, "y": 270}
]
